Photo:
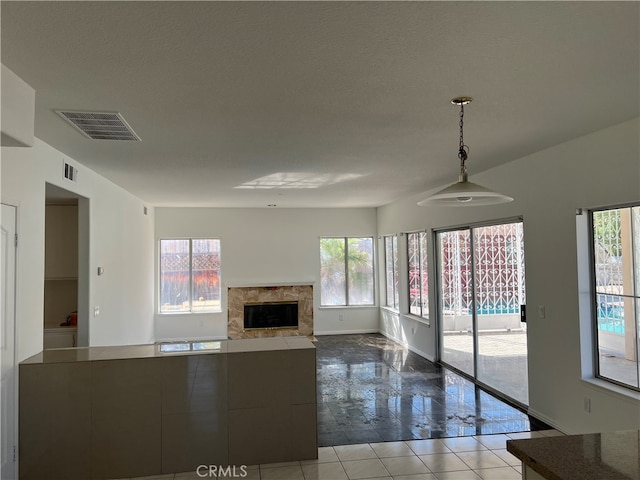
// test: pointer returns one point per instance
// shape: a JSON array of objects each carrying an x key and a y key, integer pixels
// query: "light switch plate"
[{"x": 541, "y": 311}]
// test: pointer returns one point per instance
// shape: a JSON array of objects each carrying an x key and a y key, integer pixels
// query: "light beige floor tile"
[
  {"x": 551, "y": 433},
  {"x": 507, "y": 457},
  {"x": 355, "y": 452},
  {"x": 404, "y": 465},
  {"x": 392, "y": 449},
  {"x": 465, "y": 475},
  {"x": 493, "y": 442},
  {"x": 420, "y": 476},
  {"x": 517, "y": 468},
  {"x": 523, "y": 435},
  {"x": 291, "y": 472},
  {"x": 462, "y": 444},
  {"x": 422, "y": 447},
  {"x": 188, "y": 476},
  {"x": 321, "y": 471},
  {"x": 251, "y": 475},
  {"x": 502, "y": 473},
  {"x": 361, "y": 469},
  {"x": 481, "y": 459},
  {"x": 280, "y": 464},
  {"x": 443, "y": 462},
  {"x": 325, "y": 455},
  {"x": 167, "y": 476}
]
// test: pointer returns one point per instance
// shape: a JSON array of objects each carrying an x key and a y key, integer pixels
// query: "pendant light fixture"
[{"x": 464, "y": 193}]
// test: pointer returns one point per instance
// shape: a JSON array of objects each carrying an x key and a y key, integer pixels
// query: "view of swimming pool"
[{"x": 611, "y": 318}]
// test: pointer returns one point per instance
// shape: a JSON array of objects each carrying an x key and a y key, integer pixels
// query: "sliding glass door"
[
  {"x": 456, "y": 300},
  {"x": 481, "y": 291},
  {"x": 499, "y": 295}
]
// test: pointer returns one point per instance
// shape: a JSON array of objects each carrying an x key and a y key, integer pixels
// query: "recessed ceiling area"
[{"x": 319, "y": 104}]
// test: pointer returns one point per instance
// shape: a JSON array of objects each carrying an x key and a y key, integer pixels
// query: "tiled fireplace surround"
[{"x": 239, "y": 295}]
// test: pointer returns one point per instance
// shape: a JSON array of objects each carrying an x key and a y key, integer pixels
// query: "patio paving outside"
[{"x": 502, "y": 362}]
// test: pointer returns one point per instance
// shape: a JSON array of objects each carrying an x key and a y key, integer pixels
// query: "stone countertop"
[
  {"x": 596, "y": 456},
  {"x": 166, "y": 349}
]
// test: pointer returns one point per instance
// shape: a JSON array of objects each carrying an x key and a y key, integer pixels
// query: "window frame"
[
  {"x": 394, "y": 302},
  {"x": 347, "y": 303},
  {"x": 421, "y": 254},
  {"x": 190, "y": 311},
  {"x": 593, "y": 296}
]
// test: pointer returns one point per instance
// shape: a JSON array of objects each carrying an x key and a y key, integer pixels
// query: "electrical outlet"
[
  {"x": 587, "y": 404},
  {"x": 542, "y": 313},
  {"x": 96, "y": 311},
  {"x": 341, "y": 317}
]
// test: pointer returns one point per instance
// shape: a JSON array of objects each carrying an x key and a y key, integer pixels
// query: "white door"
[{"x": 7, "y": 344}]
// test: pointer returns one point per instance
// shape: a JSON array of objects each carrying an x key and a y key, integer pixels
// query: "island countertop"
[
  {"x": 165, "y": 349},
  {"x": 596, "y": 456},
  {"x": 145, "y": 410}
]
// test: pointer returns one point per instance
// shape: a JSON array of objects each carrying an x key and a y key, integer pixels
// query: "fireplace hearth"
[{"x": 270, "y": 311}]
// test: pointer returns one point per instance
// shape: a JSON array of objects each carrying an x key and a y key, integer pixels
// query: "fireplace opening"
[{"x": 270, "y": 315}]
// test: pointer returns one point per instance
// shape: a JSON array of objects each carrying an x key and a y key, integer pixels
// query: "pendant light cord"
[
  {"x": 464, "y": 192},
  {"x": 463, "y": 150}
]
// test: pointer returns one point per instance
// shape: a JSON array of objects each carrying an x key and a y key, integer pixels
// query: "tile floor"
[
  {"x": 371, "y": 389},
  {"x": 480, "y": 457}
]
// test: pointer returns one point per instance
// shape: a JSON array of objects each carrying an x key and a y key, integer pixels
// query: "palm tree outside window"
[{"x": 346, "y": 271}]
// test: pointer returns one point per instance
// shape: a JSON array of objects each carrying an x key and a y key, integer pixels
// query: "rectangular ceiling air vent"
[{"x": 100, "y": 125}]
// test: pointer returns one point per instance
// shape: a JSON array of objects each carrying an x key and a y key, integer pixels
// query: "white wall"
[
  {"x": 263, "y": 246},
  {"x": 599, "y": 169},
  {"x": 121, "y": 240},
  {"x": 18, "y": 110}
]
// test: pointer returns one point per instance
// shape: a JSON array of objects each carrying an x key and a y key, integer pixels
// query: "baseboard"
[
  {"x": 409, "y": 347},
  {"x": 534, "y": 413},
  {"x": 346, "y": 332},
  {"x": 391, "y": 337},
  {"x": 424, "y": 355}
]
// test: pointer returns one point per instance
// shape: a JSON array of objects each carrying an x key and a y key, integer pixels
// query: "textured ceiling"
[{"x": 319, "y": 104}]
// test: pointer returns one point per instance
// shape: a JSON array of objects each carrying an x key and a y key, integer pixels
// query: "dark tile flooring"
[{"x": 371, "y": 389}]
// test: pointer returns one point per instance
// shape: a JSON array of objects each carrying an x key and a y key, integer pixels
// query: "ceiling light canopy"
[{"x": 464, "y": 193}]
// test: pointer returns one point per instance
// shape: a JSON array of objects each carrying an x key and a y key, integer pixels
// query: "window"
[
  {"x": 616, "y": 293},
  {"x": 391, "y": 270},
  {"x": 189, "y": 276},
  {"x": 346, "y": 271},
  {"x": 418, "y": 279}
]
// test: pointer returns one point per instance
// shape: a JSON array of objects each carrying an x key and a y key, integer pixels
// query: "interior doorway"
[
  {"x": 481, "y": 293},
  {"x": 66, "y": 292}
]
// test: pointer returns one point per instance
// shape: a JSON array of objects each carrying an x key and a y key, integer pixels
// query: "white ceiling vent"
[
  {"x": 69, "y": 172},
  {"x": 100, "y": 125}
]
